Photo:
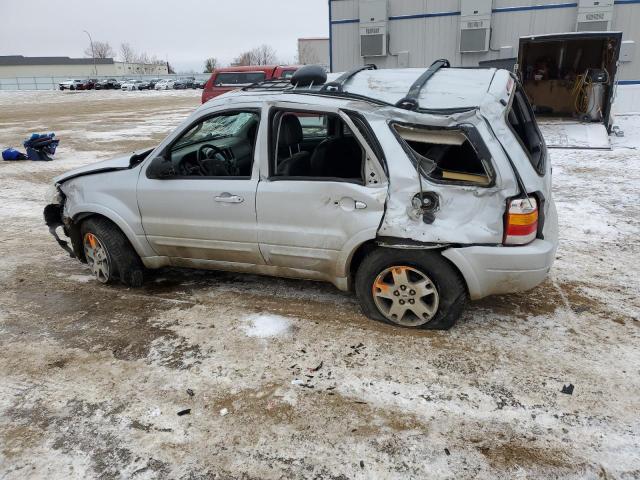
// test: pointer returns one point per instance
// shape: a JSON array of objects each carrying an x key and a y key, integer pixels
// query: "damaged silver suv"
[{"x": 418, "y": 189}]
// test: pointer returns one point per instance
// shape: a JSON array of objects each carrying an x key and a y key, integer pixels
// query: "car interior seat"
[
  {"x": 339, "y": 157},
  {"x": 296, "y": 161}
]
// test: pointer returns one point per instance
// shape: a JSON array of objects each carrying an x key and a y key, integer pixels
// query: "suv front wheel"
[
  {"x": 109, "y": 253},
  {"x": 410, "y": 288}
]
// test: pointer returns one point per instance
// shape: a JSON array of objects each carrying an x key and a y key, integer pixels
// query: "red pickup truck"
[{"x": 230, "y": 78}]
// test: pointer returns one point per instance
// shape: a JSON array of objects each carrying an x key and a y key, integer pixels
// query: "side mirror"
[{"x": 160, "y": 168}]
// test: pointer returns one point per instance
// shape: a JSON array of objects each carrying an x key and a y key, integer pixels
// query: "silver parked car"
[{"x": 416, "y": 189}]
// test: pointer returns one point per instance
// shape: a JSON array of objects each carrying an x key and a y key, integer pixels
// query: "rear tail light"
[{"x": 521, "y": 221}]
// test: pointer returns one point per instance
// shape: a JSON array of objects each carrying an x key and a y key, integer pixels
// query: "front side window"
[
  {"x": 219, "y": 146},
  {"x": 238, "y": 78},
  {"x": 314, "y": 145}
]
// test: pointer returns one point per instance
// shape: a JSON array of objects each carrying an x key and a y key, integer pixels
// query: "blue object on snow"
[
  {"x": 40, "y": 145},
  {"x": 13, "y": 154}
]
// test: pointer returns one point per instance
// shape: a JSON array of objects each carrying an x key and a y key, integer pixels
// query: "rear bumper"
[{"x": 496, "y": 270}]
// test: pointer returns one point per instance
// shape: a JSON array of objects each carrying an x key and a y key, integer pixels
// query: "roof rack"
[
  {"x": 410, "y": 101},
  {"x": 274, "y": 84},
  {"x": 338, "y": 84}
]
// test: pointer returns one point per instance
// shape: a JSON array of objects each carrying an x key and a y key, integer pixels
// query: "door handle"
[
  {"x": 360, "y": 205},
  {"x": 226, "y": 197}
]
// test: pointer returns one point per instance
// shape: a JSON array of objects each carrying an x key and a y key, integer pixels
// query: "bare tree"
[
  {"x": 243, "y": 59},
  {"x": 210, "y": 64},
  {"x": 262, "y": 55},
  {"x": 100, "y": 50},
  {"x": 127, "y": 54}
]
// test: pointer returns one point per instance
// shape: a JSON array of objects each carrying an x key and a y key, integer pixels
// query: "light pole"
[{"x": 93, "y": 54}]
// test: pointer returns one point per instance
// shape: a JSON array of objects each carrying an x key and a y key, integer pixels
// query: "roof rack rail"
[
  {"x": 338, "y": 84},
  {"x": 273, "y": 84},
  {"x": 410, "y": 101}
]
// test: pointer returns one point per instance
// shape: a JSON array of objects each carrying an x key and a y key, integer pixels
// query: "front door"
[{"x": 204, "y": 207}]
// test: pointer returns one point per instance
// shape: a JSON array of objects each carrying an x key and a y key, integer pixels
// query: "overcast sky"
[{"x": 184, "y": 31}]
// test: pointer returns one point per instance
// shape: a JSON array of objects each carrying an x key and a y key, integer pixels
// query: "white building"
[
  {"x": 313, "y": 51},
  {"x": 15, "y": 66},
  {"x": 414, "y": 33}
]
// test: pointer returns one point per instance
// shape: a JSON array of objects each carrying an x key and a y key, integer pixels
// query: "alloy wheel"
[
  {"x": 405, "y": 295},
  {"x": 97, "y": 257}
]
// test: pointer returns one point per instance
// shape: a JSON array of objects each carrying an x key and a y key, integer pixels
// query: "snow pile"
[{"x": 266, "y": 325}]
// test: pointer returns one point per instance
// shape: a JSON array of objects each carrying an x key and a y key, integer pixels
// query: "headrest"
[{"x": 290, "y": 130}]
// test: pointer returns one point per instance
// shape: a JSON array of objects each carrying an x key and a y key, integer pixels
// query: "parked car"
[
  {"x": 135, "y": 85},
  {"x": 182, "y": 83},
  {"x": 165, "y": 85},
  {"x": 225, "y": 79},
  {"x": 417, "y": 202},
  {"x": 89, "y": 83},
  {"x": 152, "y": 83},
  {"x": 198, "y": 83},
  {"x": 108, "y": 84},
  {"x": 71, "y": 85}
]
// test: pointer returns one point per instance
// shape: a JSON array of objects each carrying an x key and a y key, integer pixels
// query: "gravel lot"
[{"x": 287, "y": 379}]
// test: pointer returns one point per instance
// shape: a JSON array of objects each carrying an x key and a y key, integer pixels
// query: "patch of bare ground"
[
  {"x": 511, "y": 455},
  {"x": 546, "y": 298},
  {"x": 94, "y": 317}
]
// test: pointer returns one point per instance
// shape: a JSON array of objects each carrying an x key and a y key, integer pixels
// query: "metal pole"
[{"x": 93, "y": 54}]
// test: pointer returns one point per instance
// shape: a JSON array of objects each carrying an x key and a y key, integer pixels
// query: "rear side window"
[
  {"x": 238, "y": 78},
  {"x": 523, "y": 124},
  {"x": 445, "y": 155}
]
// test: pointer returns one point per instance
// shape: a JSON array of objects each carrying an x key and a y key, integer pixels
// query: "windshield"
[{"x": 221, "y": 126}]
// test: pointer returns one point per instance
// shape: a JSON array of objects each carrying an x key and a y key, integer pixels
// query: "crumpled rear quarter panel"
[{"x": 467, "y": 214}]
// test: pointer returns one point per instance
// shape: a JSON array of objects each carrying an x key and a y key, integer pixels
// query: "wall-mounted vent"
[
  {"x": 594, "y": 15},
  {"x": 372, "y": 45},
  {"x": 473, "y": 40},
  {"x": 475, "y": 25},
  {"x": 593, "y": 26},
  {"x": 373, "y": 28}
]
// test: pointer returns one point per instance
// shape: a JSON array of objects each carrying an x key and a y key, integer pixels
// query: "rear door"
[{"x": 314, "y": 221}]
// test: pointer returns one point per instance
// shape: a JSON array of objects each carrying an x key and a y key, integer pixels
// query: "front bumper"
[
  {"x": 497, "y": 270},
  {"x": 53, "y": 218}
]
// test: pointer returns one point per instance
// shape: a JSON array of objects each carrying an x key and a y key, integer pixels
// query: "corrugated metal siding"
[
  {"x": 626, "y": 18},
  {"x": 430, "y": 38}
]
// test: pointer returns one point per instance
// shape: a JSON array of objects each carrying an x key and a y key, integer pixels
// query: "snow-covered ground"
[{"x": 286, "y": 379}]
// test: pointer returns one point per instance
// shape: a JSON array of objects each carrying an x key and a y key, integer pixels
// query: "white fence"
[{"x": 51, "y": 83}]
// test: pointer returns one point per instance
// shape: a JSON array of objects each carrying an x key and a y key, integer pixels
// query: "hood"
[{"x": 118, "y": 163}]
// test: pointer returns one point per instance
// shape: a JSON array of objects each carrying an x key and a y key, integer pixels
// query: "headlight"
[{"x": 53, "y": 195}]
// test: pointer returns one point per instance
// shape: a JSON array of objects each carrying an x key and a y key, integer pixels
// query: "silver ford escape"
[{"x": 418, "y": 189}]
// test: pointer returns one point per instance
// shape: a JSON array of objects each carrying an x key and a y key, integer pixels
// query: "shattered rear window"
[{"x": 444, "y": 155}]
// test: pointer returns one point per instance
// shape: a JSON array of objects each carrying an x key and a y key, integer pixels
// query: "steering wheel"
[{"x": 199, "y": 158}]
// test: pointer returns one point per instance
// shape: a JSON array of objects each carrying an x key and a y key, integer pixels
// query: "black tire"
[
  {"x": 449, "y": 284},
  {"x": 124, "y": 262}
]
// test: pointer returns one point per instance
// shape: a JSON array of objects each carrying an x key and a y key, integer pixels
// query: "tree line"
[
  {"x": 126, "y": 54},
  {"x": 261, "y": 55}
]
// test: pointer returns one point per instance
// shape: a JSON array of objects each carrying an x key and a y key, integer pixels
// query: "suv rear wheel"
[
  {"x": 414, "y": 289},
  {"x": 109, "y": 253}
]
